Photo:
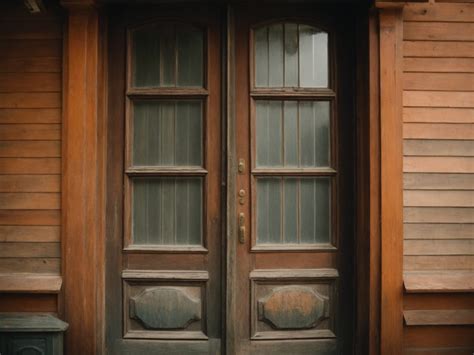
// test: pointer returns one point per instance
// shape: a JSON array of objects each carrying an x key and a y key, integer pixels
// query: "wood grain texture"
[
  {"x": 439, "y": 317},
  {"x": 438, "y": 131},
  {"x": 29, "y": 183},
  {"x": 445, "y": 49},
  {"x": 437, "y": 99},
  {"x": 23, "y": 49},
  {"x": 438, "y": 231},
  {"x": 418, "y": 282},
  {"x": 438, "y": 31},
  {"x": 437, "y": 147},
  {"x": 438, "y": 165},
  {"x": 30, "y": 146},
  {"x": 35, "y": 115},
  {"x": 438, "y": 81},
  {"x": 438, "y": 65},
  {"x": 30, "y": 149},
  {"x": 439, "y": 336},
  {"x": 439, "y": 247},
  {"x": 23, "y": 302},
  {"x": 29, "y": 234},
  {"x": 30, "y": 265},
  {"x": 438, "y": 262},
  {"x": 30, "y": 283},
  {"x": 455, "y": 12},
  {"x": 30, "y": 82},
  {"x": 438, "y": 114},
  {"x": 82, "y": 189},
  {"x": 30, "y": 165},
  {"x": 436, "y": 198},
  {"x": 45, "y": 132},
  {"x": 391, "y": 29},
  {"x": 40, "y": 65},
  {"x": 30, "y": 100},
  {"x": 438, "y": 215}
]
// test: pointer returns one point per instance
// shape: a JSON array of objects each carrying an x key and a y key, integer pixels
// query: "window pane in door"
[
  {"x": 167, "y": 55},
  {"x": 167, "y": 211},
  {"x": 293, "y": 210},
  {"x": 167, "y": 133},
  {"x": 292, "y": 133},
  {"x": 291, "y": 55}
]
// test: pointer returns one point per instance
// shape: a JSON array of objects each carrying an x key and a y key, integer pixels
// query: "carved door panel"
[
  {"x": 164, "y": 286},
  {"x": 291, "y": 281}
]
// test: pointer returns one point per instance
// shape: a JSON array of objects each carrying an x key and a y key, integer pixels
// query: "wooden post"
[
  {"x": 391, "y": 42},
  {"x": 82, "y": 187}
]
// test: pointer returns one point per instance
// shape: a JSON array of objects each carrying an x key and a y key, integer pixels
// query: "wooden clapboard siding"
[
  {"x": 30, "y": 153},
  {"x": 438, "y": 133}
]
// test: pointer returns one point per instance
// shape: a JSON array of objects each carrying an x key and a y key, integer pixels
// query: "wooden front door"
[
  {"x": 276, "y": 278},
  {"x": 294, "y": 187}
]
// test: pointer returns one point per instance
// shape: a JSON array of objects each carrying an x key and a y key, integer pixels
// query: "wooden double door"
[{"x": 233, "y": 133}]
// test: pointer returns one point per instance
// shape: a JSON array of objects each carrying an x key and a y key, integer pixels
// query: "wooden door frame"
[{"x": 85, "y": 183}]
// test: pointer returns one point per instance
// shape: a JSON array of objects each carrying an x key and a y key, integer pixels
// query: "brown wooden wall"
[
  {"x": 30, "y": 156},
  {"x": 438, "y": 146}
]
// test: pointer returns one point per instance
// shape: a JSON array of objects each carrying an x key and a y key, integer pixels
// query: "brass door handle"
[{"x": 241, "y": 228}]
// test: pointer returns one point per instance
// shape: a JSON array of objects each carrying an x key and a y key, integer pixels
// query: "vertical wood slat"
[
  {"x": 391, "y": 29},
  {"x": 82, "y": 202}
]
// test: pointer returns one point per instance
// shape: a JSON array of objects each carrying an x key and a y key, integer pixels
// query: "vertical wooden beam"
[
  {"x": 83, "y": 172},
  {"x": 391, "y": 23},
  {"x": 374, "y": 182}
]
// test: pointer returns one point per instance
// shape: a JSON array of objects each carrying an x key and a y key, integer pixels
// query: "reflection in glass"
[
  {"x": 291, "y": 55},
  {"x": 167, "y": 133},
  {"x": 292, "y": 133},
  {"x": 167, "y": 55},
  {"x": 167, "y": 211},
  {"x": 293, "y": 210}
]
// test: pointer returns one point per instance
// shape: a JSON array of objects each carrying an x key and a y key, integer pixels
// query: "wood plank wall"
[
  {"x": 30, "y": 148},
  {"x": 438, "y": 132}
]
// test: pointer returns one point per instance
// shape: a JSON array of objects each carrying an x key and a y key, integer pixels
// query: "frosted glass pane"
[
  {"x": 167, "y": 211},
  {"x": 167, "y": 55},
  {"x": 269, "y": 133},
  {"x": 275, "y": 55},
  {"x": 291, "y": 55},
  {"x": 293, "y": 210},
  {"x": 292, "y": 133},
  {"x": 167, "y": 133},
  {"x": 190, "y": 58},
  {"x": 313, "y": 57},
  {"x": 261, "y": 56},
  {"x": 269, "y": 210},
  {"x": 314, "y": 133}
]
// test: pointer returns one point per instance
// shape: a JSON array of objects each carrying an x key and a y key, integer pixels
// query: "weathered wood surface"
[
  {"x": 30, "y": 151},
  {"x": 439, "y": 317},
  {"x": 431, "y": 282},
  {"x": 438, "y": 167}
]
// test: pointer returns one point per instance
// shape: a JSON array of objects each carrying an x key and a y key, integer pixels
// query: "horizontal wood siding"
[
  {"x": 438, "y": 132},
  {"x": 30, "y": 149}
]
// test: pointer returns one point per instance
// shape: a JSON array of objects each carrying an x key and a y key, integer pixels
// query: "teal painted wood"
[
  {"x": 31, "y": 334},
  {"x": 30, "y": 322}
]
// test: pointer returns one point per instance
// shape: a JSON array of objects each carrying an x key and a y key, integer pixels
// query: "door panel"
[
  {"x": 164, "y": 281},
  {"x": 293, "y": 112}
]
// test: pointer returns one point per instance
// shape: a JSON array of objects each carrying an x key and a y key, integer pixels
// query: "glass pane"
[
  {"x": 293, "y": 210},
  {"x": 165, "y": 55},
  {"x": 291, "y": 55},
  {"x": 167, "y": 133},
  {"x": 292, "y": 133},
  {"x": 313, "y": 57},
  {"x": 167, "y": 211}
]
